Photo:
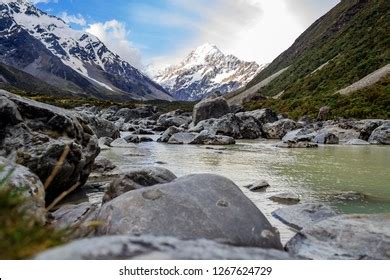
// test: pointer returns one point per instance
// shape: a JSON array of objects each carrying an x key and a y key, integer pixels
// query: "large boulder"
[
  {"x": 209, "y": 109},
  {"x": 381, "y": 135},
  {"x": 300, "y": 135},
  {"x": 262, "y": 116},
  {"x": 168, "y": 133},
  {"x": 182, "y": 138},
  {"x": 352, "y": 237},
  {"x": 228, "y": 125},
  {"x": 137, "y": 113},
  {"x": 156, "y": 248},
  {"x": 19, "y": 178},
  {"x": 207, "y": 138},
  {"x": 175, "y": 118},
  {"x": 368, "y": 127},
  {"x": 192, "y": 207},
  {"x": 138, "y": 179},
  {"x": 326, "y": 137},
  {"x": 278, "y": 129},
  {"x": 46, "y": 135},
  {"x": 101, "y": 127},
  {"x": 249, "y": 127}
]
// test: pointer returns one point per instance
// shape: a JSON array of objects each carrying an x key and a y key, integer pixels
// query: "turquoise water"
[{"x": 317, "y": 175}]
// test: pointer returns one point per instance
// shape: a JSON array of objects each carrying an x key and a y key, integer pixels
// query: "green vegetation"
[
  {"x": 348, "y": 43},
  {"x": 21, "y": 236}
]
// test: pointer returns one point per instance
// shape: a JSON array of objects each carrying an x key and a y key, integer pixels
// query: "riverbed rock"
[
  {"x": 352, "y": 237},
  {"x": 149, "y": 247},
  {"x": 192, "y": 207},
  {"x": 20, "y": 178},
  {"x": 209, "y": 109},
  {"x": 75, "y": 217},
  {"x": 258, "y": 186},
  {"x": 249, "y": 127},
  {"x": 357, "y": 142},
  {"x": 175, "y": 118},
  {"x": 45, "y": 134},
  {"x": 368, "y": 127},
  {"x": 304, "y": 215},
  {"x": 300, "y": 135},
  {"x": 262, "y": 116},
  {"x": 207, "y": 138},
  {"x": 138, "y": 179},
  {"x": 228, "y": 125},
  {"x": 326, "y": 137},
  {"x": 286, "y": 198},
  {"x": 121, "y": 143},
  {"x": 102, "y": 165},
  {"x": 182, "y": 138},
  {"x": 278, "y": 129},
  {"x": 101, "y": 127},
  {"x": 381, "y": 135},
  {"x": 296, "y": 145},
  {"x": 168, "y": 133},
  {"x": 9, "y": 113},
  {"x": 137, "y": 113}
]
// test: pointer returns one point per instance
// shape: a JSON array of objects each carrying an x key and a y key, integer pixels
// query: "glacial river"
[{"x": 316, "y": 175}]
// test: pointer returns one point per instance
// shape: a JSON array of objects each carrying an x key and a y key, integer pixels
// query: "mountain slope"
[
  {"x": 341, "y": 48},
  {"x": 205, "y": 71},
  {"x": 67, "y": 58}
]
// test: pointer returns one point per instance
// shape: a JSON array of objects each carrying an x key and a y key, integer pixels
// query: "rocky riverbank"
[{"x": 150, "y": 213}]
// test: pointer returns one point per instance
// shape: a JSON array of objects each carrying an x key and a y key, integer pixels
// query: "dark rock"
[
  {"x": 156, "y": 248},
  {"x": 263, "y": 116},
  {"x": 206, "y": 138},
  {"x": 102, "y": 165},
  {"x": 46, "y": 133},
  {"x": 352, "y": 237},
  {"x": 349, "y": 196},
  {"x": 209, "y": 109},
  {"x": 190, "y": 208},
  {"x": 168, "y": 134},
  {"x": 9, "y": 113},
  {"x": 368, "y": 128},
  {"x": 296, "y": 145},
  {"x": 286, "y": 198},
  {"x": 176, "y": 118},
  {"x": 138, "y": 179},
  {"x": 138, "y": 113},
  {"x": 323, "y": 114},
  {"x": 304, "y": 215},
  {"x": 132, "y": 139},
  {"x": 101, "y": 127},
  {"x": 258, "y": 186},
  {"x": 249, "y": 127}
]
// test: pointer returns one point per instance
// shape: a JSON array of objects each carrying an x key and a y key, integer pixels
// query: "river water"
[{"x": 316, "y": 175}]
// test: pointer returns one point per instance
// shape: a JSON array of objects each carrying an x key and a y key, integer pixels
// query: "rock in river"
[
  {"x": 353, "y": 237},
  {"x": 381, "y": 135},
  {"x": 286, "y": 198},
  {"x": 210, "y": 108},
  {"x": 258, "y": 186},
  {"x": 192, "y": 207},
  {"x": 304, "y": 215},
  {"x": 45, "y": 134},
  {"x": 148, "y": 247}
]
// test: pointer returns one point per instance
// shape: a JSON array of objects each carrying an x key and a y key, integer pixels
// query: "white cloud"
[
  {"x": 253, "y": 30},
  {"x": 76, "y": 19},
  {"x": 43, "y": 1},
  {"x": 115, "y": 36}
]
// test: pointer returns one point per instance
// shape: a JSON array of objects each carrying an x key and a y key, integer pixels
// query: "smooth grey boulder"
[
  {"x": 286, "y": 198},
  {"x": 258, "y": 186},
  {"x": 345, "y": 237},
  {"x": 20, "y": 178},
  {"x": 228, "y": 125},
  {"x": 300, "y": 135},
  {"x": 149, "y": 247},
  {"x": 168, "y": 133},
  {"x": 202, "y": 206},
  {"x": 304, "y": 215},
  {"x": 368, "y": 127},
  {"x": 206, "y": 138},
  {"x": 278, "y": 129},
  {"x": 250, "y": 128},
  {"x": 121, "y": 143},
  {"x": 46, "y": 133},
  {"x": 357, "y": 142},
  {"x": 381, "y": 135},
  {"x": 209, "y": 109},
  {"x": 325, "y": 137},
  {"x": 182, "y": 138},
  {"x": 138, "y": 179}
]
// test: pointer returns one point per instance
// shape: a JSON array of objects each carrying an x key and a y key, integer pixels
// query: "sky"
[{"x": 163, "y": 32}]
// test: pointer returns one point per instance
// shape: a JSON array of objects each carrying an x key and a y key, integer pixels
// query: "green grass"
[{"x": 21, "y": 236}]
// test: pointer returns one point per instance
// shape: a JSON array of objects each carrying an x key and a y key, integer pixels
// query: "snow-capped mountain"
[
  {"x": 204, "y": 71},
  {"x": 47, "y": 48}
]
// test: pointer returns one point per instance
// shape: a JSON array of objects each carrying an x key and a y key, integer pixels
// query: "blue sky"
[{"x": 164, "y": 31}]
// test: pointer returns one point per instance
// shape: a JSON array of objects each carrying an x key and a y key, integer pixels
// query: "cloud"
[
  {"x": 253, "y": 30},
  {"x": 75, "y": 19},
  {"x": 115, "y": 36},
  {"x": 43, "y": 1}
]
